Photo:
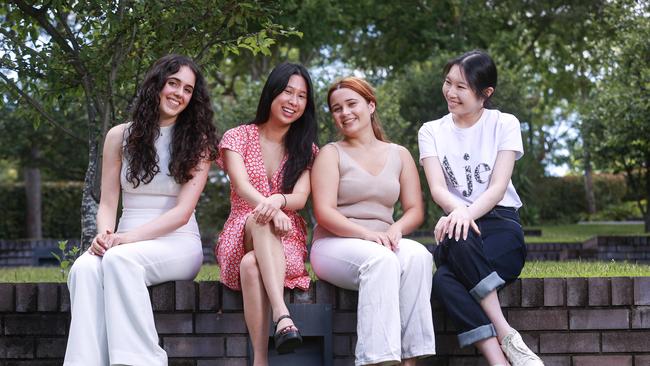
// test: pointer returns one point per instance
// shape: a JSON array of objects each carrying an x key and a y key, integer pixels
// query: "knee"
[
  {"x": 248, "y": 267},
  {"x": 85, "y": 266},
  {"x": 417, "y": 253},
  {"x": 440, "y": 279},
  {"x": 385, "y": 261},
  {"x": 112, "y": 260}
]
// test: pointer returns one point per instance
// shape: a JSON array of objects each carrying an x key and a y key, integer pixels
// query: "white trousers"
[
  {"x": 394, "y": 319},
  {"x": 112, "y": 319}
]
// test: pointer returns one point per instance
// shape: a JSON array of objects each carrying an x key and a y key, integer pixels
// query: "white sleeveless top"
[{"x": 147, "y": 201}]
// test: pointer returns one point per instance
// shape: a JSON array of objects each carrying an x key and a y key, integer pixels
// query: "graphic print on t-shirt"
[{"x": 478, "y": 171}]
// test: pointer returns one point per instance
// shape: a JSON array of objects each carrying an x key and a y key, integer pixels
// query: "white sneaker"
[{"x": 517, "y": 352}]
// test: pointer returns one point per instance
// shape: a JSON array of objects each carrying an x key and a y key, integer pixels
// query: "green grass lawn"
[
  {"x": 578, "y": 233},
  {"x": 533, "y": 269}
]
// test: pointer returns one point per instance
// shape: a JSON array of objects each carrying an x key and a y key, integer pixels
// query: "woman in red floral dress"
[{"x": 262, "y": 247}]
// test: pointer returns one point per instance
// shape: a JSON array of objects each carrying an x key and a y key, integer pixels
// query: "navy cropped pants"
[{"x": 468, "y": 270}]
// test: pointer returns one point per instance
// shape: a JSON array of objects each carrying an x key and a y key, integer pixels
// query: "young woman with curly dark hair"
[
  {"x": 262, "y": 247},
  {"x": 159, "y": 162}
]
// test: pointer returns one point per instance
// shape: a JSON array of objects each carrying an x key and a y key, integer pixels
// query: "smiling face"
[
  {"x": 176, "y": 95},
  {"x": 351, "y": 112},
  {"x": 462, "y": 101},
  {"x": 290, "y": 104}
]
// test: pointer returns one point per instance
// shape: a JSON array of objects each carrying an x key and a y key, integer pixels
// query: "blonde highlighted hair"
[{"x": 367, "y": 92}]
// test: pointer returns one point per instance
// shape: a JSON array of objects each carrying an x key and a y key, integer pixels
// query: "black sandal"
[{"x": 286, "y": 339}]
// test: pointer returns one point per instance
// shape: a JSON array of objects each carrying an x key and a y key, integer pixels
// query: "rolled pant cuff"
[
  {"x": 487, "y": 285},
  {"x": 476, "y": 334}
]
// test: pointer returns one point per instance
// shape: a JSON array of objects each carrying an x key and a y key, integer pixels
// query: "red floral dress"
[{"x": 245, "y": 140}]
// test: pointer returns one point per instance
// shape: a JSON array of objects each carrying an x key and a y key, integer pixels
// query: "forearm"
[
  {"x": 490, "y": 198},
  {"x": 333, "y": 221},
  {"x": 294, "y": 201},
  {"x": 410, "y": 220},
  {"x": 445, "y": 199},
  {"x": 106, "y": 219}
]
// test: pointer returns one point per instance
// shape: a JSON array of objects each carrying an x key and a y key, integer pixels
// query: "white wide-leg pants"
[
  {"x": 112, "y": 319},
  {"x": 394, "y": 319}
]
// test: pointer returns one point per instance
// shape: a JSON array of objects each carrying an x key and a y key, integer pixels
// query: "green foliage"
[
  {"x": 578, "y": 233},
  {"x": 61, "y": 210},
  {"x": 67, "y": 257},
  {"x": 562, "y": 199}
]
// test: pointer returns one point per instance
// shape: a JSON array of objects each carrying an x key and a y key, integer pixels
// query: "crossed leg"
[{"x": 262, "y": 273}]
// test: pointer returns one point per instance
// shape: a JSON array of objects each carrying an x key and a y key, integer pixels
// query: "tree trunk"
[
  {"x": 32, "y": 177},
  {"x": 88, "y": 203},
  {"x": 589, "y": 184}
]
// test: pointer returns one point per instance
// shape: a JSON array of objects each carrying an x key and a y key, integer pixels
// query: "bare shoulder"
[
  {"x": 328, "y": 152},
  {"x": 114, "y": 138},
  {"x": 404, "y": 153}
]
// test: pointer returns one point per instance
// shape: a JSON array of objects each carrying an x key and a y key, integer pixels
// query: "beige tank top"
[{"x": 363, "y": 198}]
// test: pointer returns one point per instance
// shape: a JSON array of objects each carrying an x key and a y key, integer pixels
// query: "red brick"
[
  {"x": 344, "y": 322},
  {"x": 599, "y": 319},
  {"x": 51, "y": 347},
  {"x": 569, "y": 343},
  {"x": 174, "y": 323},
  {"x": 641, "y": 317},
  {"x": 347, "y": 361},
  {"x": 602, "y": 360},
  {"x": 642, "y": 291},
  {"x": 576, "y": 291},
  {"x": 468, "y": 361},
  {"x": 554, "y": 292},
  {"x": 236, "y": 346},
  {"x": 209, "y": 295},
  {"x": 227, "y": 323},
  {"x": 11, "y": 347},
  {"x": 26, "y": 297},
  {"x": 510, "y": 296},
  {"x": 528, "y": 319},
  {"x": 642, "y": 360},
  {"x": 224, "y": 362},
  {"x": 599, "y": 291},
  {"x": 325, "y": 292},
  {"x": 625, "y": 342},
  {"x": 341, "y": 345},
  {"x": 7, "y": 299},
  {"x": 346, "y": 299},
  {"x": 64, "y": 298},
  {"x": 194, "y": 346},
  {"x": 231, "y": 300},
  {"x": 36, "y": 324},
  {"x": 556, "y": 360},
  {"x": 181, "y": 362},
  {"x": 185, "y": 293},
  {"x": 48, "y": 297},
  {"x": 622, "y": 291},
  {"x": 162, "y": 296},
  {"x": 532, "y": 292},
  {"x": 447, "y": 344},
  {"x": 304, "y": 297},
  {"x": 531, "y": 340}
]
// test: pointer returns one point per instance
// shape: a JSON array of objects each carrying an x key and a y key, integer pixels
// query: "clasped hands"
[
  {"x": 103, "y": 242},
  {"x": 269, "y": 210},
  {"x": 456, "y": 224}
]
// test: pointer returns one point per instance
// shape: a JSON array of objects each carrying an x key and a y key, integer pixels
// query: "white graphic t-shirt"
[{"x": 467, "y": 155}]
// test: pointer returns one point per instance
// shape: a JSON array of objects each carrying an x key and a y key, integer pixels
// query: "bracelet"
[{"x": 285, "y": 201}]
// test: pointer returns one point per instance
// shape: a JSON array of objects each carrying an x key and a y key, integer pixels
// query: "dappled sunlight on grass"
[{"x": 547, "y": 269}]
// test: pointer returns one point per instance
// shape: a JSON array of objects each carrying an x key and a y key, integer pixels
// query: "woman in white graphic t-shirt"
[{"x": 468, "y": 157}]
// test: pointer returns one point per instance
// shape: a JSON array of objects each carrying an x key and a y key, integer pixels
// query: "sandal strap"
[{"x": 285, "y": 316}]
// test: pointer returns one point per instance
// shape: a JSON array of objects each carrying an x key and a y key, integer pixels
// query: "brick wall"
[
  {"x": 569, "y": 322},
  {"x": 603, "y": 248}
]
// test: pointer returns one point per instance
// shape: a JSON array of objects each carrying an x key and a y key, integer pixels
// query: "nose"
[{"x": 293, "y": 100}]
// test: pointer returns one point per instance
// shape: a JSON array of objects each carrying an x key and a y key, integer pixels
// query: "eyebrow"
[{"x": 179, "y": 80}]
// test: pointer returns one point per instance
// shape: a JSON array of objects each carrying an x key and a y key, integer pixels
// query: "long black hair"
[
  {"x": 479, "y": 71},
  {"x": 302, "y": 133},
  {"x": 194, "y": 137}
]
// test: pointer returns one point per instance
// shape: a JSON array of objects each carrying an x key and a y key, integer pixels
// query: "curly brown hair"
[{"x": 194, "y": 138}]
